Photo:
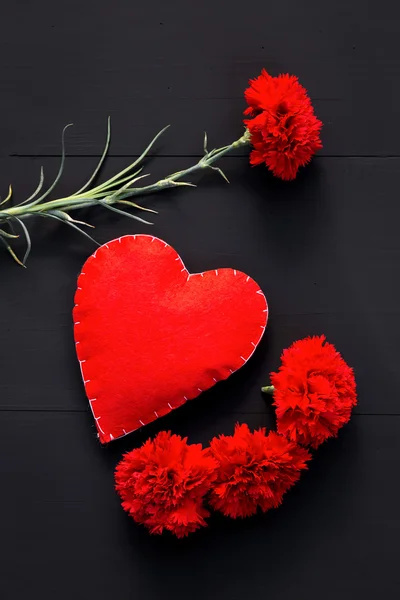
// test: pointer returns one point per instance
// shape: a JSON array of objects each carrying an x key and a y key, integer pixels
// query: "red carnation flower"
[
  {"x": 163, "y": 484},
  {"x": 284, "y": 129},
  {"x": 314, "y": 392},
  {"x": 255, "y": 470}
]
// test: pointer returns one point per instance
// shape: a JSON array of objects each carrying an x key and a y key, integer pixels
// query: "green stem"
[
  {"x": 268, "y": 389},
  {"x": 86, "y": 200},
  {"x": 113, "y": 191},
  {"x": 204, "y": 163}
]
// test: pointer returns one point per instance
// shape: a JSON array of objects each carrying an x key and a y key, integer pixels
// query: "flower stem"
[
  {"x": 205, "y": 162},
  {"x": 89, "y": 199},
  {"x": 115, "y": 190},
  {"x": 268, "y": 389}
]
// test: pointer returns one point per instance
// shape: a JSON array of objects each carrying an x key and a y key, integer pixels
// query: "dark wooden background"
[{"x": 324, "y": 248}]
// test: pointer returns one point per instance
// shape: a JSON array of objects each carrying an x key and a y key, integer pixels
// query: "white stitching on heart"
[
  {"x": 91, "y": 400},
  {"x": 189, "y": 275},
  {"x": 97, "y": 419}
]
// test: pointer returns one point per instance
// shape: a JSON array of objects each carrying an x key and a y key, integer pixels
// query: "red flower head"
[
  {"x": 163, "y": 484},
  {"x": 255, "y": 470},
  {"x": 284, "y": 129},
  {"x": 315, "y": 392}
]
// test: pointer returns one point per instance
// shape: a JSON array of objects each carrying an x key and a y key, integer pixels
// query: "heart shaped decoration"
[{"x": 149, "y": 335}]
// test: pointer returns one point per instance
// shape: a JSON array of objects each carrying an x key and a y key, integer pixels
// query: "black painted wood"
[
  {"x": 64, "y": 534},
  {"x": 154, "y": 63},
  {"x": 325, "y": 249}
]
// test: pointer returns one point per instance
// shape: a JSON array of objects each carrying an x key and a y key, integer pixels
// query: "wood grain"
[
  {"x": 325, "y": 249},
  {"x": 155, "y": 63},
  {"x": 62, "y": 524}
]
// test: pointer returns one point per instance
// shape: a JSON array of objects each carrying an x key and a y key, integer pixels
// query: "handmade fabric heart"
[{"x": 149, "y": 335}]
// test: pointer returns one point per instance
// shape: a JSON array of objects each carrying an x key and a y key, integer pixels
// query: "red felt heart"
[{"x": 149, "y": 335}]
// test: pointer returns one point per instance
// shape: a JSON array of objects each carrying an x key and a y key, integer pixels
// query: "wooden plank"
[
  {"x": 148, "y": 65},
  {"x": 323, "y": 248},
  {"x": 64, "y": 530}
]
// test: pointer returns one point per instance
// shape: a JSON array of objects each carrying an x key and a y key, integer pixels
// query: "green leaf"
[
  {"x": 11, "y": 251},
  {"x": 54, "y": 216},
  {"x": 205, "y": 143},
  {"x": 27, "y": 237},
  {"x": 39, "y": 187},
  {"x": 124, "y": 213},
  {"x": 64, "y": 216},
  {"x": 134, "y": 205},
  {"x": 118, "y": 176},
  {"x": 60, "y": 171},
  {"x": 103, "y": 156},
  {"x": 9, "y": 195},
  {"x": 220, "y": 171},
  {"x": 120, "y": 193},
  {"x": 8, "y": 235}
]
